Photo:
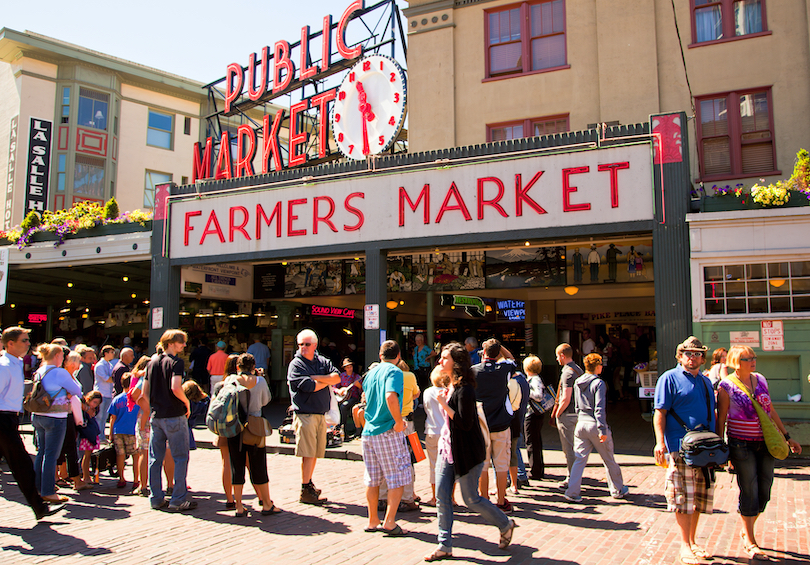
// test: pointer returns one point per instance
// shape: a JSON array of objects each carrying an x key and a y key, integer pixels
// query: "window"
[
  {"x": 525, "y": 38},
  {"x": 61, "y": 168},
  {"x": 93, "y": 108},
  {"x": 160, "y": 130},
  {"x": 65, "y": 104},
  {"x": 88, "y": 178},
  {"x": 735, "y": 135},
  {"x": 153, "y": 178},
  {"x": 187, "y": 126},
  {"x": 758, "y": 288},
  {"x": 531, "y": 127},
  {"x": 716, "y": 20}
]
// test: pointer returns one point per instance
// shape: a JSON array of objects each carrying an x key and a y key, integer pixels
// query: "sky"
[{"x": 194, "y": 39}]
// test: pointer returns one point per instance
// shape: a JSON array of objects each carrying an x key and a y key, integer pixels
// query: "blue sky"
[{"x": 195, "y": 39}]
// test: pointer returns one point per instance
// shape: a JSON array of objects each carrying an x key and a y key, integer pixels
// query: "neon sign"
[
  {"x": 332, "y": 311},
  {"x": 513, "y": 310}
]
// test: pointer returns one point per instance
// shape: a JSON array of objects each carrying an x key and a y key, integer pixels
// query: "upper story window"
[
  {"x": 153, "y": 178},
  {"x": 93, "y": 108},
  {"x": 735, "y": 135},
  {"x": 757, "y": 288},
  {"x": 65, "y": 104},
  {"x": 715, "y": 20},
  {"x": 525, "y": 38},
  {"x": 160, "y": 132},
  {"x": 527, "y": 128}
]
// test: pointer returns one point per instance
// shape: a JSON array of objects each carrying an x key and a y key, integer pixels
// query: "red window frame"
[
  {"x": 727, "y": 15},
  {"x": 525, "y": 40},
  {"x": 528, "y": 125},
  {"x": 735, "y": 134}
]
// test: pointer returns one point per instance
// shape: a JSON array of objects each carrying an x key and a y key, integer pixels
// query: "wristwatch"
[{"x": 787, "y": 436}]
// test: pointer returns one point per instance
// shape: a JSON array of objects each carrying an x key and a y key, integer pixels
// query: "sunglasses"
[
  {"x": 748, "y": 359},
  {"x": 693, "y": 353},
  {"x": 305, "y": 344}
]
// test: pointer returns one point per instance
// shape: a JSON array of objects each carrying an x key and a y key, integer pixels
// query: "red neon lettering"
[
  {"x": 262, "y": 217},
  {"x": 212, "y": 219},
  {"x": 321, "y": 101},
  {"x": 271, "y": 144},
  {"x": 316, "y": 218},
  {"x": 522, "y": 195},
  {"x": 614, "y": 169},
  {"x": 306, "y": 70},
  {"x": 494, "y": 202},
  {"x": 202, "y": 163},
  {"x": 253, "y": 92},
  {"x": 292, "y": 217},
  {"x": 340, "y": 33},
  {"x": 403, "y": 196},
  {"x": 568, "y": 189},
  {"x": 281, "y": 60},
  {"x": 223, "y": 169},
  {"x": 326, "y": 45},
  {"x": 187, "y": 229},
  {"x": 233, "y": 90},
  {"x": 245, "y": 150},
  {"x": 298, "y": 136},
  {"x": 459, "y": 205},
  {"x": 351, "y": 209},
  {"x": 234, "y": 227}
]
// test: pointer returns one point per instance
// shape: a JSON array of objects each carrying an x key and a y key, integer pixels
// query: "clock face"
[{"x": 369, "y": 109}]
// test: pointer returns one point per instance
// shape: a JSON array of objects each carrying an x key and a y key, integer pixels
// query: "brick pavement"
[{"x": 103, "y": 526}]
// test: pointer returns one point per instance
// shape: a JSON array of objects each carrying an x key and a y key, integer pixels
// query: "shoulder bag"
[
  {"x": 774, "y": 440},
  {"x": 38, "y": 400},
  {"x": 546, "y": 403},
  {"x": 333, "y": 415},
  {"x": 702, "y": 447}
]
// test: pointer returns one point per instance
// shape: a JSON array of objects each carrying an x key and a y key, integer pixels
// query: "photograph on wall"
[
  {"x": 313, "y": 278},
  {"x": 623, "y": 261},
  {"x": 268, "y": 281},
  {"x": 354, "y": 273},
  {"x": 456, "y": 270},
  {"x": 400, "y": 273},
  {"x": 521, "y": 267}
]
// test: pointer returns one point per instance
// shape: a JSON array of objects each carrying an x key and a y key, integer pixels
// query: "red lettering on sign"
[
  {"x": 522, "y": 195},
  {"x": 223, "y": 169},
  {"x": 292, "y": 217},
  {"x": 271, "y": 143},
  {"x": 568, "y": 189},
  {"x": 202, "y": 163},
  {"x": 281, "y": 61},
  {"x": 187, "y": 228},
  {"x": 262, "y": 217},
  {"x": 340, "y": 33},
  {"x": 614, "y": 169},
  {"x": 234, "y": 227},
  {"x": 212, "y": 219},
  {"x": 298, "y": 136},
  {"x": 233, "y": 89},
  {"x": 424, "y": 195},
  {"x": 459, "y": 205},
  {"x": 255, "y": 93},
  {"x": 326, "y": 45},
  {"x": 321, "y": 101},
  {"x": 316, "y": 218},
  {"x": 352, "y": 210},
  {"x": 306, "y": 69},
  {"x": 245, "y": 151},
  {"x": 494, "y": 202}
]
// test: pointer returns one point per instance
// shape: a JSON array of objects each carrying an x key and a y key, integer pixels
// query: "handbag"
[
  {"x": 89, "y": 431},
  {"x": 415, "y": 447},
  {"x": 546, "y": 403},
  {"x": 702, "y": 447},
  {"x": 333, "y": 416},
  {"x": 256, "y": 430},
  {"x": 774, "y": 440},
  {"x": 38, "y": 399}
]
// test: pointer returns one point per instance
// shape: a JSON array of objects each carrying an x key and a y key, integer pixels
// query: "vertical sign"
[
  {"x": 3, "y": 274},
  {"x": 371, "y": 317},
  {"x": 39, "y": 165},
  {"x": 773, "y": 335},
  {"x": 12, "y": 160},
  {"x": 157, "y": 318}
]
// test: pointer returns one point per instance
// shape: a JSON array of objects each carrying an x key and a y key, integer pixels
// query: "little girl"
[
  {"x": 89, "y": 432},
  {"x": 433, "y": 424}
]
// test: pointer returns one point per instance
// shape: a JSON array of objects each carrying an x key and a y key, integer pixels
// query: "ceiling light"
[
  {"x": 391, "y": 304},
  {"x": 401, "y": 302},
  {"x": 488, "y": 308},
  {"x": 284, "y": 263},
  {"x": 146, "y": 302},
  {"x": 527, "y": 244},
  {"x": 68, "y": 301},
  {"x": 13, "y": 305},
  {"x": 777, "y": 283},
  {"x": 183, "y": 312},
  {"x": 259, "y": 313},
  {"x": 571, "y": 290},
  {"x": 126, "y": 279},
  {"x": 70, "y": 285},
  {"x": 133, "y": 295}
]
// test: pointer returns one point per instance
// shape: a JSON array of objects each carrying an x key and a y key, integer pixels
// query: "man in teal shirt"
[{"x": 385, "y": 453}]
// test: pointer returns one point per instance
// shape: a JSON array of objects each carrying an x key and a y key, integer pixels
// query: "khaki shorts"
[
  {"x": 125, "y": 444},
  {"x": 310, "y": 435},
  {"x": 499, "y": 452}
]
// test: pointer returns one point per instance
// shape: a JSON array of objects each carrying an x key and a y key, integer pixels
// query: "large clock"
[{"x": 370, "y": 107}]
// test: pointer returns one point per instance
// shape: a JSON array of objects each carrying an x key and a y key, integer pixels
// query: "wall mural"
[
  {"x": 458, "y": 270},
  {"x": 515, "y": 268},
  {"x": 628, "y": 261},
  {"x": 314, "y": 278}
]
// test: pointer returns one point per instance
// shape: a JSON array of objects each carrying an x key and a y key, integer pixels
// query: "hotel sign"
[{"x": 39, "y": 165}]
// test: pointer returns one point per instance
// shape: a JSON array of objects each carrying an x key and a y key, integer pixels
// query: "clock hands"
[{"x": 367, "y": 115}]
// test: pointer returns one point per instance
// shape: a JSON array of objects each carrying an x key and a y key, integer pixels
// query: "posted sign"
[
  {"x": 773, "y": 335},
  {"x": 371, "y": 317}
]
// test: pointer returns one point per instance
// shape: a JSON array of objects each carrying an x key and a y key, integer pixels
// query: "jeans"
[
  {"x": 521, "y": 472},
  {"x": 445, "y": 478},
  {"x": 102, "y": 416},
  {"x": 50, "y": 435},
  {"x": 175, "y": 431},
  {"x": 754, "y": 465}
]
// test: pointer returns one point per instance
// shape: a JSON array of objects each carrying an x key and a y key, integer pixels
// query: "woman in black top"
[{"x": 461, "y": 454}]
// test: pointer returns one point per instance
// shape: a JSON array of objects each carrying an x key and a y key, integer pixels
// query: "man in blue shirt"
[
  {"x": 384, "y": 450},
  {"x": 261, "y": 353},
  {"x": 685, "y": 391},
  {"x": 12, "y": 384},
  {"x": 471, "y": 345}
]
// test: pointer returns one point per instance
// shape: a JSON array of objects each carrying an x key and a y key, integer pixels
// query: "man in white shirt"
[{"x": 588, "y": 345}]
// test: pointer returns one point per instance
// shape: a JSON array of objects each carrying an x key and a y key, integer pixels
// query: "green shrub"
[
  {"x": 32, "y": 220},
  {"x": 111, "y": 209}
]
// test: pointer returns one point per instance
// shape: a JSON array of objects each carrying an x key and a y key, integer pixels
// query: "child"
[
  {"x": 433, "y": 424},
  {"x": 199, "y": 408},
  {"x": 89, "y": 432},
  {"x": 123, "y": 418}
]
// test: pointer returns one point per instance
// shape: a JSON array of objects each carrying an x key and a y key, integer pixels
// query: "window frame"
[
  {"x": 146, "y": 190},
  {"x": 170, "y": 132},
  {"x": 525, "y": 40},
  {"x": 87, "y": 96},
  {"x": 528, "y": 125},
  {"x": 734, "y": 134},
  {"x": 726, "y": 13}
]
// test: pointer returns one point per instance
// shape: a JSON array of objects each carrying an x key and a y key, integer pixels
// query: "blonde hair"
[
  {"x": 734, "y": 354},
  {"x": 172, "y": 336},
  {"x": 48, "y": 351},
  {"x": 439, "y": 378},
  {"x": 403, "y": 366},
  {"x": 532, "y": 364}
]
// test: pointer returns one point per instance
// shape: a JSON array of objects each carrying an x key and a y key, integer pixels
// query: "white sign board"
[
  {"x": 646, "y": 392},
  {"x": 371, "y": 317},
  {"x": 157, "y": 318},
  {"x": 231, "y": 282},
  {"x": 773, "y": 335},
  {"x": 751, "y": 339},
  {"x": 572, "y": 189}
]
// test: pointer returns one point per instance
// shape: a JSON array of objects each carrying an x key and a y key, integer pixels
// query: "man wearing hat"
[
  {"x": 350, "y": 390},
  {"x": 594, "y": 260},
  {"x": 687, "y": 392},
  {"x": 216, "y": 363}
]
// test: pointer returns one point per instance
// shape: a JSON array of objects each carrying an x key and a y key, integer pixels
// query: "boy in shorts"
[{"x": 123, "y": 418}]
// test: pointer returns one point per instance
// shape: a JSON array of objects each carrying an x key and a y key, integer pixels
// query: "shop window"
[
  {"x": 65, "y": 104},
  {"x": 526, "y": 128},
  {"x": 93, "y": 109},
  {"x": 153, "y": 178},
  {"x": 718, "y": 20},
  {"x": 524, "y": 38},
  {"x": 736, "y": 135},
  {"x": 160, "y": 130},
  {"x": 88, "y": 178},
  {"x": 757, "y": 288}
]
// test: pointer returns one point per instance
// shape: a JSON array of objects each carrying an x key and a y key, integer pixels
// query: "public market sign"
[{"x": 596, "y": 186}]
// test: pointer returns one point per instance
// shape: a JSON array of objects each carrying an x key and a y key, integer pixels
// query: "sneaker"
[
  {"x": 523, "y": 483},
  {"x": 121, "y": 483},
  {"x": 310, "y": 496},
  {"x": 48, "y": 510},
  {"x": 162, "y": 505},
  {"x": 506, "y": 507},
  {"x": 572, "y": 498},
  {"x": 622, "y": 493},
  {"x": 184, "y": 506}
]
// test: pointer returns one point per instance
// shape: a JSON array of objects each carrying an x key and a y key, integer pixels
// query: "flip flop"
[
  {"x": 438, "y": 555},
  {"x": 372, "y": 530},
  {"x": 701, "y": 553},
  {"x": 59, "y": 499},
  {"x": 395, "y": 532},
  {"x": 272, "y": 510},
  {"x": 690, "y": 560},
  {"x": 242, "y": 514}
]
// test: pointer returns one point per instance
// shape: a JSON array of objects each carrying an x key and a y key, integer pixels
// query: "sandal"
[
  {"x": 56, "y": 499},
  {"x": 690, "y": 559},
  {"x": 752, "y": 550},
  {"x": 395, "y": 532},
  {"x": 438, "y": 555},
  {"x": 272, "y": 510},
  {"x": 506, "y": 537},
  {"x": 701, "y": 553}
]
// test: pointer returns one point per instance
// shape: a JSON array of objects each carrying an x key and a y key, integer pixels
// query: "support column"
[
  {"x": 376, "y": 293},
  {"x": 284, "y": 327},
  {"x": 49, "y": 324},
  {"x": 430, "y": 330},
  {"x": 165, "y": 287}
]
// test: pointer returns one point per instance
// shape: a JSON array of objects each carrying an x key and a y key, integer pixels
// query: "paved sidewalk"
[{"x": 104, "y": 526}]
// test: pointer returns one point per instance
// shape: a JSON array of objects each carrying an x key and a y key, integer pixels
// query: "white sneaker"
[
  {"x": 622, "y": 493},
  {"x": 572, "y": 498}
]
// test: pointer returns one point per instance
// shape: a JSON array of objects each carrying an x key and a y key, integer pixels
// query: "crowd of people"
[{"x": 480, "y": 405}]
